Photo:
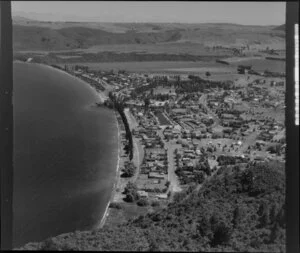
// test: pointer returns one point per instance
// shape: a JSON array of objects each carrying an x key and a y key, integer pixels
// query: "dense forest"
[{"x": 237, "y": 210}]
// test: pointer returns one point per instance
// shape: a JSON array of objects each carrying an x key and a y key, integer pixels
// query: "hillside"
[
  {"x": 280, "y": 28},
  {"x": 36, "y": 35},
  {"x": 235, "y": 211},
  {"x": 37, "y": 38}
]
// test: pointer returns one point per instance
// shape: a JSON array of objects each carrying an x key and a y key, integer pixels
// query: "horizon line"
[{"x": 137, "y": 22}]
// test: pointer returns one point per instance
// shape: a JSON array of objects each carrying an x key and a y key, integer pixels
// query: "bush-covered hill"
[{"x": 241, "y": 211}]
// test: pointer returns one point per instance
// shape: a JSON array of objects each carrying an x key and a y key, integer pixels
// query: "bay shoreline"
[
  {"x": 102, "y": 98},
  {"x": 116, "y": 181}
]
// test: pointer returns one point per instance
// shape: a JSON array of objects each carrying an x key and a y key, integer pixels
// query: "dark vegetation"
[
  {"x": 118, "y": 105},
  {"x": 115, "y": 205},
  {"x": 194, "y": 84},
  {"x": 131, "y": 192},
  {"x": 128, "y": 170},
  {"x": 242, "y": 211}
]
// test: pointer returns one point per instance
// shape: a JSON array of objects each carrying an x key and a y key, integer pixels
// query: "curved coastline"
[
  {"x": 106, "y": 213},
  {"x": 102, "y": 98}
]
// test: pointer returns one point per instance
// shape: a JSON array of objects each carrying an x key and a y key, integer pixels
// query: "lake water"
[{"x": 65, "y": 154}]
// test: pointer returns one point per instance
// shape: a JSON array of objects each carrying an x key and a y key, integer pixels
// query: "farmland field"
[
  {"x": 157, "y": 48},
  {"x": 153, "y": 66},
  {"x": 163, "y": 48},
  {"x": 204, "y": 69},
  {"x": 263, "y": 64}
]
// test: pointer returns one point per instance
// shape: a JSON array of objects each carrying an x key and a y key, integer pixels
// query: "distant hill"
[
  {"x": 280, "y": 28},
  {"x": 41, "y": 35},
  {"x": 20, "y": 19},
  {"x": 39, "y": 38}
]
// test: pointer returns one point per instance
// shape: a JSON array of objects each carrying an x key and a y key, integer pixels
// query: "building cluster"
[{"x": 196, "y": 133}]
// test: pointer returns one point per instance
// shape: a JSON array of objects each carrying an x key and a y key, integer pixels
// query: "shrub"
[
  {"x": 222, "y": 234},
  {"x": 129, "y": 170},
  {"x": 142, "y": 202},
  {"x": 115, "y": 205},
  {"x": 155, "y": 203},
  {"x": 49, "y": 244}
]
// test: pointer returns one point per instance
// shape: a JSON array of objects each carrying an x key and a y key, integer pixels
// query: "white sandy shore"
[{"x": 106, "y": 213}]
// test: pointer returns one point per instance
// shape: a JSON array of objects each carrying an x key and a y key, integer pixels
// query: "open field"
[
  {"x": 203, "y": 69},
  {"x": 154, "y": 66},
  {"x": 162, "y": 48},
  {"x": 262, "y": 64},
  {"x": 219, "y": 71}
]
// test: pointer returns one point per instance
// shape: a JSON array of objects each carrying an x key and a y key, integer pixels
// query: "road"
[
  {"x": 138, "y": 150},
  {"x": 172, "y": 177}
]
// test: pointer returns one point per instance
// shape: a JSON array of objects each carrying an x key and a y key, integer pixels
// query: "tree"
[
  {"x": 207, "y": 74},
  {"x": 129, "y": 198},
  {"x": 204, "y": 227},
  {"x": 273, "y": 213},
  {"x": 281, "y": 217},
  {"x": 222, "y": 234},
  {"x": 147, "y": 103},
  {"x": 237, "y": 216},
  {"x": 275, "y": 231},
  {"x": 263, "y": 212},
  {"x": 142, "y": 202},
  {"x": 131, "y": 192},
  {"x": 129, "y": 170},
  {"x": 199, "y": 177}
]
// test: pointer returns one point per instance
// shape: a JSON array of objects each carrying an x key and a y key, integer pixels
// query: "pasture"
[
  {"x": 149, "y": 67},
  {"x": 258, "y": 64},
  {"x": 157, "y": 48}
]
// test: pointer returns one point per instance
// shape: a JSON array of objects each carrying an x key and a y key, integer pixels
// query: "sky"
[{"x": 245, "y": 13}]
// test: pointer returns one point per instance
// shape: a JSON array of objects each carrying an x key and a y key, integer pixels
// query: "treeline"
[
  {"x": 91, "y": 82},
  {"x": 194, "y": 84},
  {"x": 118, "y": 105},
  {"x": 275, "y": 58},
  {"x": 273, "y": 74}
]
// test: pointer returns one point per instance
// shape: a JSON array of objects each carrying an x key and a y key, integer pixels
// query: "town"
[{"x": 178, "y": 130}]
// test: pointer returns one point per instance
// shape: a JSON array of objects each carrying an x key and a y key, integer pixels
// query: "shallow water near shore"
[{"x": 65, "y": 154}]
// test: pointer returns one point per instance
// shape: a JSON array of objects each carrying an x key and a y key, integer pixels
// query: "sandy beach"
[{"x": 116, "y": 181}]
